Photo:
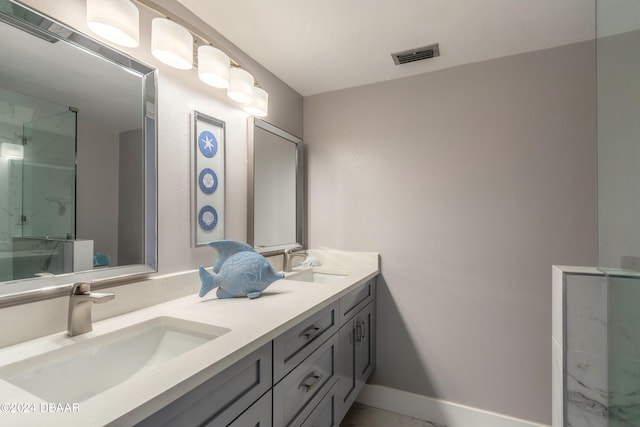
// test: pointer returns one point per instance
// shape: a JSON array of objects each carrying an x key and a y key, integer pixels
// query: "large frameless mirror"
[
  {"x": 276, "y": 189},
  {"x": 77, "y": 159}
]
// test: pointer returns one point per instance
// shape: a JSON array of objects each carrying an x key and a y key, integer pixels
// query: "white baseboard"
[{"x": 437, "y": 411}]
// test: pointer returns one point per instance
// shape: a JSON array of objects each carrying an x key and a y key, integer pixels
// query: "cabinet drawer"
[
  {"x": 293, "y": 346},
  {"x": 299, "y": 392},
  {"x": 258, "y": 415},
  {"x": 325, "y": 414},
  {"x": 221, "y": 399},
  {"x": 356, "y": 300}
]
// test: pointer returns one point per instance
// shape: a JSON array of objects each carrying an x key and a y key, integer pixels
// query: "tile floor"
[{"x": 365, "y": 416}]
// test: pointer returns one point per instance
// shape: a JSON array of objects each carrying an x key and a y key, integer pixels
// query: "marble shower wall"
[
  {"x": 586, "y": 351},
  {"x": 579, "y": 343},
  {"x": 624, "y": 350},
  {"x": 596, "y": 350},
  {"x": 35, "y": 255}
]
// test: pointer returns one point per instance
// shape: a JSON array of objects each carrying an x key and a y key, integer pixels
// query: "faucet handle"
[
  {"x": 84, "y": 289},
  {"x": 81, "y": 288},
  {"x": 295, "y": 249}
]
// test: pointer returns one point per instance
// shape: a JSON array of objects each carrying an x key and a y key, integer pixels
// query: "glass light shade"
[
  {"x": 260, "y": 105},
  {"x": 114, "y": 20},
  {"x": 12, "y": 151},
  {"x": 240, "y": 85},
  {"x": 171, "y": 44},
  {"x": 213, "y": 66}
]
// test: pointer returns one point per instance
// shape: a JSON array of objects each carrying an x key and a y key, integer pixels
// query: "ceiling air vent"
[{"x": 418, "y": 54}]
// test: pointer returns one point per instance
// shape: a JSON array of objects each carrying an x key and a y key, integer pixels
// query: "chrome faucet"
[
  {"x": 80, "y": 301},
  {"x": 289, "y": 254}
]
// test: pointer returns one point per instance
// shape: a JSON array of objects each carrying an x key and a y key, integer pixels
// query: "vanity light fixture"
[
  {"x": 171, "y": 44},
  {"x": 213, "y": 66},
  {"x": 240, "y": 85},
  {"x": 11, "y": 151},
  {"x": 114, "y": 20},
  {"x": 260, "y": 105}
]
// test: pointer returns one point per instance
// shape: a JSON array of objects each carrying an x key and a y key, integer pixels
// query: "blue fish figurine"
[
  {"x": 225, "y": 249},
  {"x": 242, "y": 274}
]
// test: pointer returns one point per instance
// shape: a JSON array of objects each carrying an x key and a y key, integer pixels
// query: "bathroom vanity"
[{"x": 298, "y": 355}]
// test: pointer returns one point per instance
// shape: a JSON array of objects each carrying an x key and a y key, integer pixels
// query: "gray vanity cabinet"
[
  {"x": 258, "y": 414},
  {"x": 306, "y": 377},
  {"x": 356, "y": 300},
  {"x": 326, "y": 413},
  {"x": 320, "y": 389},
  {"x": 357, "y": 349},
  {"x": 304, "y": 366},
  {"x": 296, "y": 344},
  {"x": 220, "y": 400},
  {"x": 300, "y": 391}
]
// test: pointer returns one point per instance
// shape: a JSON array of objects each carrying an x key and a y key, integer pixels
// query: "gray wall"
[
  {"x": 130, "y": 199},
  {"x": 471, "y": 182},
  {"x": 97, "y": 206}
]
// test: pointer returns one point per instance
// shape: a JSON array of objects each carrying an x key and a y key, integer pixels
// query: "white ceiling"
[{"x": 324, "y": 45}]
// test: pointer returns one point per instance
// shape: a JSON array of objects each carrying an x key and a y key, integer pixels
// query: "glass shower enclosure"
[
  {"x": 39, "y": 185},
  {"x": 48, "y": 177},
  {"x": 618, "y": 91}
]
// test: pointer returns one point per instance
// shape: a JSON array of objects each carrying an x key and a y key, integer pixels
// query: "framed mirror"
[
  {"x": 77, "y": 159},
  {"x": 276, "y": 189}
]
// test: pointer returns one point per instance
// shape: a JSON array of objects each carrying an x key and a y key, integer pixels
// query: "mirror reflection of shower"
[
  {"x": 62, "y": 204},
  {"x": 37, "y": 184}
]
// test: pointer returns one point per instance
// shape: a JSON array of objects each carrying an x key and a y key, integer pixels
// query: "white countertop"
[{"x": 252, "y": 323}]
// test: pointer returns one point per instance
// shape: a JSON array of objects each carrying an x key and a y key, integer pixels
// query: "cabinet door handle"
[
  {"x": 310, "y": 382},
  {"x": 311, "y": 332},
  {"x": 361, "y": 331}
]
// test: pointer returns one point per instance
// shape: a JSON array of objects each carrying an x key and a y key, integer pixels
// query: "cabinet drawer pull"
[
  {"x": 308, "y": 385},
  {"x": 311, "y": 333}
]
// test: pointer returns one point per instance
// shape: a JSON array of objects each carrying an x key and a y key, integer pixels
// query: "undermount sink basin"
[
  {"x": 316, "y": 276},
  {"x": 85, "y": 369}
]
